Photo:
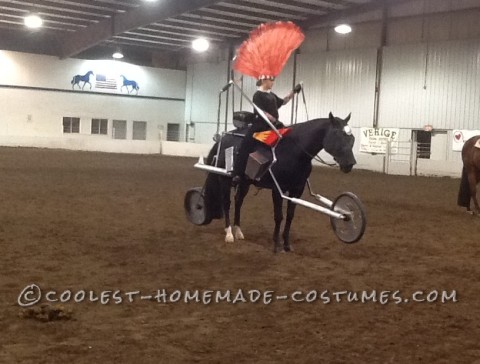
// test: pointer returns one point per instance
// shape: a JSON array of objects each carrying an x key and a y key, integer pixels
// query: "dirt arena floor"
[{"x": 92, "y": 222}]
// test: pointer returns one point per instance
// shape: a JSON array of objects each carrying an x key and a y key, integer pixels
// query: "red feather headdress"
[{"x": 266, "y": 51}]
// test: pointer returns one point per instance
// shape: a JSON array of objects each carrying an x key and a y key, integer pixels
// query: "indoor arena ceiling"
[{"x": 166, "y": 28}]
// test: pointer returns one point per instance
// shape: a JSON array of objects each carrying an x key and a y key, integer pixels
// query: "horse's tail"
[
  {"x": 213, "y": 196},
  {"x": 212, "y": 154},
  {"x": 212, "y": 193},
  {"x": 73, "y": 80},
  {"x": 464, "y": 191}
]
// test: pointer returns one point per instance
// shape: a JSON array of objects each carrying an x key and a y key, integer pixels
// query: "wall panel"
[
  {"x": 340, "y": 82},
  {"x": 437, "y": 84}
]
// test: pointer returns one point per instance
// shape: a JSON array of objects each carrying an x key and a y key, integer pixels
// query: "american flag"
[{"x": 104, "y": 82}]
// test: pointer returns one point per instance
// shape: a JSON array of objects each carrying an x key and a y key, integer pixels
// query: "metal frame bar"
[{"x": 304, "y": 203}]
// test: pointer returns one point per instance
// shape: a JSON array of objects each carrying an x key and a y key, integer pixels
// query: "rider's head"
[{"x": 266, "y": 82}]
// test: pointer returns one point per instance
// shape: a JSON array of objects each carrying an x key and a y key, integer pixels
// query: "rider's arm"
[
  {"x": 287, "y": 98},
  {"x": 297, "y": 89},
  {"x": 270, "y": 117}
]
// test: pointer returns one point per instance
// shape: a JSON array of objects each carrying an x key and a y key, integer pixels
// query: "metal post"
[
  {"x": 414, "y": 158},
  {"x": 230, "y": 56},
  {"x": 387, "y": 157},
  {"x": 378, "y": 76},
  {"x": 294, "y": 81}
]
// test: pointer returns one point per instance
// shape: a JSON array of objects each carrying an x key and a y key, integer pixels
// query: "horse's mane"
[{"x": 310, "y": 125}]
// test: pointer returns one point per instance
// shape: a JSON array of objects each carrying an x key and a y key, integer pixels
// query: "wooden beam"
[{"x": 73, "y": 44}]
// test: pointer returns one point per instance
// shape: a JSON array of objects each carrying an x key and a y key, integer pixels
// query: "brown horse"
[{"x": 470, "y": 174}]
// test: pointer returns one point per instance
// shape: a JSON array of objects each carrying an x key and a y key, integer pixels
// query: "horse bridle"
[{"x": 316, "y": 157}]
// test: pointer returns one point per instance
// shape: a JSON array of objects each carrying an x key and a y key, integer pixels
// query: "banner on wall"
[
  {"x": 374, "y": 140},
  {"x": 460, "y": 137},
  {"x": 107, "y": 82}
]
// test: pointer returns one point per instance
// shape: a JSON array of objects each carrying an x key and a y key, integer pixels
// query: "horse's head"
[{"x": 339, "y": 143}]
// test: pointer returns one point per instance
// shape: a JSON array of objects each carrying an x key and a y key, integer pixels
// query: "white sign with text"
[{"x": 374, "y": 140}]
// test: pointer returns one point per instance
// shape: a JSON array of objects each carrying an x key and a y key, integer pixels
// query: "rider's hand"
[{"x": 297, "y": 88}]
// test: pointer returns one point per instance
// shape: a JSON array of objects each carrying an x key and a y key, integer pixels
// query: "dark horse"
[
  {"x": 131, "y": 83},
  {"x": 294, "y": 155},
  {"x": 85, "y": 79},
  {"x": 470, "y": 174}
]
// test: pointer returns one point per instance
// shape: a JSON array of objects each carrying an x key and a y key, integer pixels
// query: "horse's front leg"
[
  {"x": 278, "y": 217},
  {"x": 288, "y": 223},
  {"x": 240, "y": 194}
]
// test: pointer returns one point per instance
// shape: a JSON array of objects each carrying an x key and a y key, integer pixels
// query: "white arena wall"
[
  {"x": 36, "y": 93},
  {"x": 429, "y": 75}
]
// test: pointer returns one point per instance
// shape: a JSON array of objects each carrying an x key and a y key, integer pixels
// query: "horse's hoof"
[
  {"x": 277, "y": 249},
  {"x": 238, "y": 233},
  {"x": 229, "y": 235},
  {"x": 288, "y": 249}
]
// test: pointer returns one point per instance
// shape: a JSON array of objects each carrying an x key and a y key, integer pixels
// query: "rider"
[{"x": 269, "y": 103}]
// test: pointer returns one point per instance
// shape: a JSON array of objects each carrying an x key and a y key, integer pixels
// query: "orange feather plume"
[{"x": 266, "y": 51}]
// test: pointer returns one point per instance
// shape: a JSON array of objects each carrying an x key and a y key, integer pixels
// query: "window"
[
  {"x": 119, "y": 129},
  {"x": 139, "y": 130},
  {"x": 71, "y": 125},
  {"x": 99, "y": 126},
  {"x": 173, "y": 132}
]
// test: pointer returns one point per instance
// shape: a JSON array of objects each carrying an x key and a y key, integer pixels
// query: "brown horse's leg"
[
  {"x": 278, "y": 217},
  {"x": 472, "y": 182}
]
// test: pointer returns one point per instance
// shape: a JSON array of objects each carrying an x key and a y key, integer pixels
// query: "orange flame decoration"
[
  {"x": 266, "y": 51},
  {"x": 269, "y": 137}
]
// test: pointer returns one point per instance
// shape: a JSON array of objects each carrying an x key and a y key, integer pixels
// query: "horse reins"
[{"x": 316, "y": 157}]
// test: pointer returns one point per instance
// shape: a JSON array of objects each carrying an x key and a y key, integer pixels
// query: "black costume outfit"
[{"x": 270, "y": 103}]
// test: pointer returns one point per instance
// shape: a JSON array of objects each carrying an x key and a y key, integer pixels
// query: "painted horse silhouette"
[
  {"x": 79, "y": 78},
  {"x": 470, "y": 175},
  {"x": 126, "y": 83},
  {"x": 289, "y": 175}
]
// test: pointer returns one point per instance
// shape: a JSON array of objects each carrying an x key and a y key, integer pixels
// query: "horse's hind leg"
[
  {"x": 472, "y": 182},
  {"x": 240, "y": 194},
  {"x": 278, "y": 217},
  {"x": 225, "y": 190}
]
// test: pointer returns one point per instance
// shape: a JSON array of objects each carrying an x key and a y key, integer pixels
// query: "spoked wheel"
[
  {"x": 196, "y": 208},
  {"x": 351, "y": 227}
]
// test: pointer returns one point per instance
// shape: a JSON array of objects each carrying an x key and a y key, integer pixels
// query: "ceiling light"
[
  {"x": 200, "y": 44},
  {"x": 33, "y": 21},
  {"x": 117, "y": 55},
  {"x": 343, "y": 28}
]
